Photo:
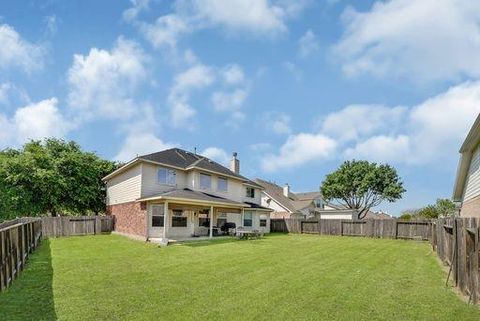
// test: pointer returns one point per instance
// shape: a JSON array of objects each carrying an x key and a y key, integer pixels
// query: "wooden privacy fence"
[
  {"x": 18, "y": 238},
  {"x": 76, "y": 225},
  {"x": 388, "y": 228},
  {"x": 457, "y": 243},
  {"x": 455, "y": 240}
]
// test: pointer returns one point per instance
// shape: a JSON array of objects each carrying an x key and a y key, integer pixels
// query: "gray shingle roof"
[
  {"x": 181, "y": 158},
  {"x": 296, "y": 201},
  {"x": 276, "y": 192}
]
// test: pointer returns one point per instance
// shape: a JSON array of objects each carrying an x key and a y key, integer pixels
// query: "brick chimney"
[{"x": 235, "y": 164}]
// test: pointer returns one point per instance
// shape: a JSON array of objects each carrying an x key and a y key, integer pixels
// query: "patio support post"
[
  {"x": 165, "y": 219},
  {"x": 211, "y": 222}
]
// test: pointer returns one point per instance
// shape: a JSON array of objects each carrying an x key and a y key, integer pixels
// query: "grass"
[{"x": 303, "y": 277}]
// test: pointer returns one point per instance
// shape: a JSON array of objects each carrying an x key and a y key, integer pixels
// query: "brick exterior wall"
[
  {"x": 471, "y": 208},
  {"x": 130, "y": 218}
]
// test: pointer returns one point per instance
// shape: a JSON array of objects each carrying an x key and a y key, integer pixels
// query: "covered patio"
[{"x": 182, "y": 215}]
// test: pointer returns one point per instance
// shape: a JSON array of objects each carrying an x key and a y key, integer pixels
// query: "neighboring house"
[
  {"x": 286, "y": 204},
  {"x": 467, "y": 183},
  {"x": 176, "y": 194}
]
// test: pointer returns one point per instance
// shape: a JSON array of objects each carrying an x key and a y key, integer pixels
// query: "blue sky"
[{"x": 295, "y": 87}]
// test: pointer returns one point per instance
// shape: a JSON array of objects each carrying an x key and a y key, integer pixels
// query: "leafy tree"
[
  {"x": 429, "y": 211},
  {"x": 406, "y": 216},
  {"x": 361, "y": 185},
  {"x": 445, "y": 207},
  {"x": 52, "y": 176}
]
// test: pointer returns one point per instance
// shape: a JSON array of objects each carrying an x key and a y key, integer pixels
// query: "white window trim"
[
  {"x": 200, "y": 182},
  {"x": 243, "y": 218},
  {"x": 168, "y": 170},
  {"x": 226, "y": 181},
  {"x": 152, "y": 215},
  {"x": 246, "y": 194}
]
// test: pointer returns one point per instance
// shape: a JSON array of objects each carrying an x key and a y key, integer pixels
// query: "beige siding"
[
  {"x": 472, "y": 188},
  {"x": 274, "y": 205},
  {"x": 256, "y": 221},
  {"x": 150, "y": 185},
  {"x": 125, "y": 187},
  {"x": 236, "y": 190}
]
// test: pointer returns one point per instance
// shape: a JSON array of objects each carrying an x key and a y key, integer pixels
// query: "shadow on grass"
[
  {"x": 31, "y": 295},
  {"x": 200, "y": 243},
  {"x": 228, "y": 240}
]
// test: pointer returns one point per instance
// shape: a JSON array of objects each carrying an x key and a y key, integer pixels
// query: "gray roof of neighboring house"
[
  {"x": 300, "y": 205},
  {"x": 308, "y": 195},
  {"x": 194, "y": 195},
  {"x": 181, "y": 158},
  {"x": 296, "y": 201},
  {"x": 276, "y": 192}
]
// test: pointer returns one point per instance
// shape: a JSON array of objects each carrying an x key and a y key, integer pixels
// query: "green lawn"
[{"x": 303, "y": 277}]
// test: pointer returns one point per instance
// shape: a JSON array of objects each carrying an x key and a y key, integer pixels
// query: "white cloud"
[
  {"x": 165, "y": 31},
  {"x": 4, "y": 92},
  {"x": 381, "y": 149},
  {"x": 425, "y": 40},
  {"x": 308, "y": 44},
  {"x": 257, "y": 17},
  {"x": 260, "y": 147},
  {"x": 102, "y": 82},
  {"x": 217, "y": 154},
  {"x": 356, "y": 121},
  {"x": 428, "y": 133},
  {"x": 17, "y": 52},
  {"x": 233, "y": 74},
  {"x": 140, "y": 143},
  {"x": 440, "y": 124},
  {"x": 278, "y": 122},
  {"x": 137, "y": 6},
  {"x": 229, "y": 101},
  {"x": 39, "y": 120},
  {"x": 196, "y": 77},
  {"x": 300, "y": 149},
  {"x": 51, "y": 22},
  {"x": 293, "y": 69},
  {"x": 35, "y": 121}
]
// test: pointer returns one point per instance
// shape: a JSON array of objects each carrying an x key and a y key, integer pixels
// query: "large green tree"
[
  {"x": 361, "y": 185},
  {"x": 51, "y": 177}
]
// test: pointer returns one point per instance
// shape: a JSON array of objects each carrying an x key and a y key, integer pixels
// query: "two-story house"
[
  {"x": 287, "y": 204},
  {"x": 176, "y": 194}
]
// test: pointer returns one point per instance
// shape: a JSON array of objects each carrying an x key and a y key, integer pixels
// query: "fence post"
[
  {"x": 2, "y": 261},
  {"x": 474, "y": 267},
  {"x": 396, "y": 229}
]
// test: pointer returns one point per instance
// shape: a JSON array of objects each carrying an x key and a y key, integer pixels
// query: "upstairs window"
[
  {"x": 250, "y": 192},
  {"x": 205, "y": 181},
  {"x": 222, "y": 184},
  {"x": 166, "y": 176}
]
